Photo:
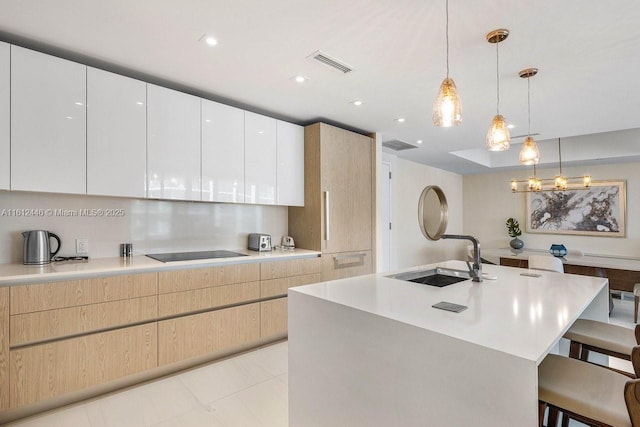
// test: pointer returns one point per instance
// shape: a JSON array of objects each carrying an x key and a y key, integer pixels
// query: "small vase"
[
  {"x": 558, "y": 250},
  {"x": 516, "y": 243}
]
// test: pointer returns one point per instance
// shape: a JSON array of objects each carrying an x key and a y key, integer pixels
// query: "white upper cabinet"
[
  {"x": 173, "y": 144},
  {"x": 290, "y": 171},
  {"x": 48, "y": 123},
  {"x": 222, "y": 153},
  {"x": 116, "y": 134},
  {"x": 5, "y": 124},
  {"x": 259, "y": 159}
]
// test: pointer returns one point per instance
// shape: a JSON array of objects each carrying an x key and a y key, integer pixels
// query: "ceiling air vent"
[
  {"x": 398, "y": 145},
  {"x": 319, "y": 55}
]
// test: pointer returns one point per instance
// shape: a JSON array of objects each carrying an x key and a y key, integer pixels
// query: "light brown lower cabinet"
[
  {"x": 187, "y": 337},
  {"x": 4, "y": 348},
  {"x": 47, "y": 370},
  {"x": 346, "y": 264},
  {"x": 273, "y": 318}
]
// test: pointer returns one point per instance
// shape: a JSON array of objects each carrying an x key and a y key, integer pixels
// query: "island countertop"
[{"x": 519, "y": 315}]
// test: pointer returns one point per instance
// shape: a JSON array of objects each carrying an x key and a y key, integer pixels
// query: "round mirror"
[{"x": 433, "y": 212}]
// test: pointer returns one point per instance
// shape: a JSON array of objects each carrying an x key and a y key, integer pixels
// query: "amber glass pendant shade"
[
  {"x": 498, "y": 137},
  {"x": 447, "y": 108},
  {"x": 529, "y": 153}
]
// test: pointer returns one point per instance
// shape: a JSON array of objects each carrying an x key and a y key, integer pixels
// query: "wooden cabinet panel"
[
  {"x": 4, "y": 348},
  {"x": 509, "y": 262},
  {"x": 346, "y": 176},
  {"x": 273, "y": 318},
  {"x": 51, "y": 324},
  {"x": 43, "y": 371},
  {"x": 293, "y": 267},
  {"x": 622, "y": 280},
  {"x": 200, "y": 334},
  {"x": 48, "y": 296},
  {"x": 339, "y": 266},
  {"x": 184, "y": 280},
  {"x": 276, "y": 287},
  {"x": 202, "y": 299}
]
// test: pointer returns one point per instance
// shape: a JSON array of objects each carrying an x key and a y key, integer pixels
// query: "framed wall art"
[{"x": 596, "y": 211}]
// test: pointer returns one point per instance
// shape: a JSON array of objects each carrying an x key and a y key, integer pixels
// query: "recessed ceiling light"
[
  {"x": 357, "y": 103},
  {"x": 300, "y": 79},
  {"x": 211, "y": 41},
  {"x": 400, "y": 120},
  {"x": 419, "y": 141}
]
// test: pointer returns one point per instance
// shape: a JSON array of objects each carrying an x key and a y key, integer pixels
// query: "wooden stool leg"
[
  {"x": 565, "y": 420},
  {"x": 552, "y": 419},
  {"x": 541, "y": 408},
  {"x": 584, "y": 354},
  {"x": 635, "y": 309},
  {"x": 574, "y": 350}
]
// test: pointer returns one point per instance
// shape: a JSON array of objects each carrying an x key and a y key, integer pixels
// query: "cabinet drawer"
[
  {"x": 184, "y": 280},
  {"x": 293, "y": 267},
  {"x": 200, "y": 334},
  {"x": 48, "y": 296},
  {"x": 346, "y": 264},
  {"x": 50, "y": 324},
  {"x": 53, "y": 369},
  {"x": 273, "y": 318},
  {"x": 275, "y": 287},
  {"x": 201, "y": 299}
]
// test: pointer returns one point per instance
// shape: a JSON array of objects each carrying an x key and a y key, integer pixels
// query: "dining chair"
[
  {"x": 546, "y": 262},
  {"x": 588, "y": 393}
]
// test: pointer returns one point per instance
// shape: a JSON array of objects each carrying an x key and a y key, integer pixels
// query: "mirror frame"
[{"x": 444, "y": 212}]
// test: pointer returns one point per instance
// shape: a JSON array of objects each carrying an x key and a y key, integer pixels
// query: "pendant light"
[
  {"x": 447, "y": 108},
  {"x": 529, "y": 153},
  {"x": 498, "y": 138}
]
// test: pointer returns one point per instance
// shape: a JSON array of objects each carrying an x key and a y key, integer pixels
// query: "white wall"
[
  {"x": 152, "y": 226},
  {"x": 488, "y": 202},
  {"x": 408, "y": 246}
]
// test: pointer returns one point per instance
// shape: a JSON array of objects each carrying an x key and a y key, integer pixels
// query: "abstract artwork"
[{"x": 595, "y": 211}]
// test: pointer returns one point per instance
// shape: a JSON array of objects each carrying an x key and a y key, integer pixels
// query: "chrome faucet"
[{"x": 475, "y": 271}]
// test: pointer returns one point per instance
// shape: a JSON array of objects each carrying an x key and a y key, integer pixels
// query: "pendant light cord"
[
  {"x": 498, "y": 78},
  {"x": 447, "y": 31},
  {"x": 528, "y": 107},
  {"x": 560, "y": 156}
]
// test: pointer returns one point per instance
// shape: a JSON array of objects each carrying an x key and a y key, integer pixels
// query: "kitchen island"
[{"x": 371, "y": 350}]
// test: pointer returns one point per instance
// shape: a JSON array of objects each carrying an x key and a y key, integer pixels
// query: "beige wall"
[
  {"x": 488, "y": 202},
  {"x": 151, "y": 225},
  {"x": 408, "y": 246}
]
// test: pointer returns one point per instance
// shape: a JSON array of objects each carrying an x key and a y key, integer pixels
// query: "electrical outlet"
[{"x": 82, "y": 246}]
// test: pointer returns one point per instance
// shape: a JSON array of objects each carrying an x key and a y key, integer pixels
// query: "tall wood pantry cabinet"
[{"x": 339, "y": 203}]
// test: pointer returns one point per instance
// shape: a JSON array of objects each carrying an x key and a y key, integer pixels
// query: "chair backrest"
[
  {"x": 545, "y": 262},
  {"x": 632, "y": 389}
]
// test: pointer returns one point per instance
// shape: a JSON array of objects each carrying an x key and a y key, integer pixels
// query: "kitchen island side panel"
[{"x": 349, "y": 367}]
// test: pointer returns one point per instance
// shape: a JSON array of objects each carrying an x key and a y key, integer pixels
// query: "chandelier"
[{"x": 557, "y": 183}]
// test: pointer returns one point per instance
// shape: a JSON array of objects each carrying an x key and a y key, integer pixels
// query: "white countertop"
[
  {"x": 590, "y": 260},
  {"x": 522, "y": 316},
  {"x": 15, "y": 274}
]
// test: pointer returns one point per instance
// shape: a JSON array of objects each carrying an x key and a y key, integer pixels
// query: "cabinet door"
[
  {"x": 290, "y": 170},
  {"x": 44, "y": 371},
  {"x": 259, "y": 159},
  {"x": 273, "y": 318},
  {"x": 116, "y": 135},
  {"x": 173, "y": 144},
  {"x": 346, "y": 185},
  {"x": 48, "y": 123},
  {"x": 222, "y": 153},
  {"x": 5, "y": 108}
]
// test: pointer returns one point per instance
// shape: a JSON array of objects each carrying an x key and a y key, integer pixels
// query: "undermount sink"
[{"x": 438, "y": 276}]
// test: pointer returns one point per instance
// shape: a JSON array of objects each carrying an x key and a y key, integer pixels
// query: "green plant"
[{"x": 513, "y": 227}]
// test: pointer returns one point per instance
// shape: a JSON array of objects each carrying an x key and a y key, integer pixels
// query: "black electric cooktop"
[{"x": 190, "y": 256}]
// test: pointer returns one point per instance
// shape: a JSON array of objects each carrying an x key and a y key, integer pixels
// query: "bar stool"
[
  {"x": 600, "y": 337},
  {"x": 588, "y": 393},
  {"x": 545, "y": 262}
]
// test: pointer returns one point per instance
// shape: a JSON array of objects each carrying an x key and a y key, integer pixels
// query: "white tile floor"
[{"x": 247, "y": 390}]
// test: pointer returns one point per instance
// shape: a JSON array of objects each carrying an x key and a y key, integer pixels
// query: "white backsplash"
[{"x": 152, "y": 226}]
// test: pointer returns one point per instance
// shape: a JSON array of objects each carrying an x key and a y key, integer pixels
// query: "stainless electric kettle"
[{"x": 37, "y": 247}]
